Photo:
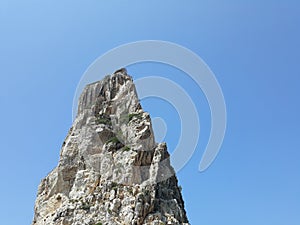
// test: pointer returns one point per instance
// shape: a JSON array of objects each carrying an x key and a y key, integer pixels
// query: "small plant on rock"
[
  {"x": 113, "y": 140},
  {"x": 137, "y": 115},
  {"x": 102, "y": 119},
  {"x": 126, "y": 148},
  {"x": 85, "y": 206},
  {"x": 114, "y": 184}
]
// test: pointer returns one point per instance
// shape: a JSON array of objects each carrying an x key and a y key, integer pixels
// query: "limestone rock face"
[{"x": 110, "y": 171}]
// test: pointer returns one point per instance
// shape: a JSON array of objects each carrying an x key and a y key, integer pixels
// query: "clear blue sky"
[{"x": 253, "y": 49}]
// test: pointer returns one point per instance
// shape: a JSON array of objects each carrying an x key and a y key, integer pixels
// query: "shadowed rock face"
[{"x": 110, "y": 171}]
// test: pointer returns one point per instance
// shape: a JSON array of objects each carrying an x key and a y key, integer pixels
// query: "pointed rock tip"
[{"x": 123, "y": 73}]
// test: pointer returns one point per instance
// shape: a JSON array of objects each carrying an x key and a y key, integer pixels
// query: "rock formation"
[{"x": 110, "y": 171}]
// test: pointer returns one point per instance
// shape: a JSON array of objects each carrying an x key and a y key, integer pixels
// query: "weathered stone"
[{"x": 110, "y": 171}]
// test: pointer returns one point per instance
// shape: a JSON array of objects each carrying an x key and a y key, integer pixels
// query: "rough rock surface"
[{"x": 110, "y": 171}]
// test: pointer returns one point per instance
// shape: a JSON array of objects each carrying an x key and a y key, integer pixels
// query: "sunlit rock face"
[{"x": 110, "y": 171}]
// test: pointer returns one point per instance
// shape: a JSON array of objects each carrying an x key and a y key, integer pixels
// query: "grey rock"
[{"x": 110, "y": 168}]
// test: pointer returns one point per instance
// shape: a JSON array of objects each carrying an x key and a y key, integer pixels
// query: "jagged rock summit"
[{"x": 110, "y": 171}]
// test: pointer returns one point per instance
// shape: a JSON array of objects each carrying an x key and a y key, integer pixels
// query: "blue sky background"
[{"x": 253, "y": 49}]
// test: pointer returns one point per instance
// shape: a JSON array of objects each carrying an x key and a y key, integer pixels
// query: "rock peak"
[
  {"x": 105, "y": 89},
  {"x": 111, "y": 171}
]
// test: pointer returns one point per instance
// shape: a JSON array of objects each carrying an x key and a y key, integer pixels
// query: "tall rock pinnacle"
[{"x": 110, "y": 171}]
